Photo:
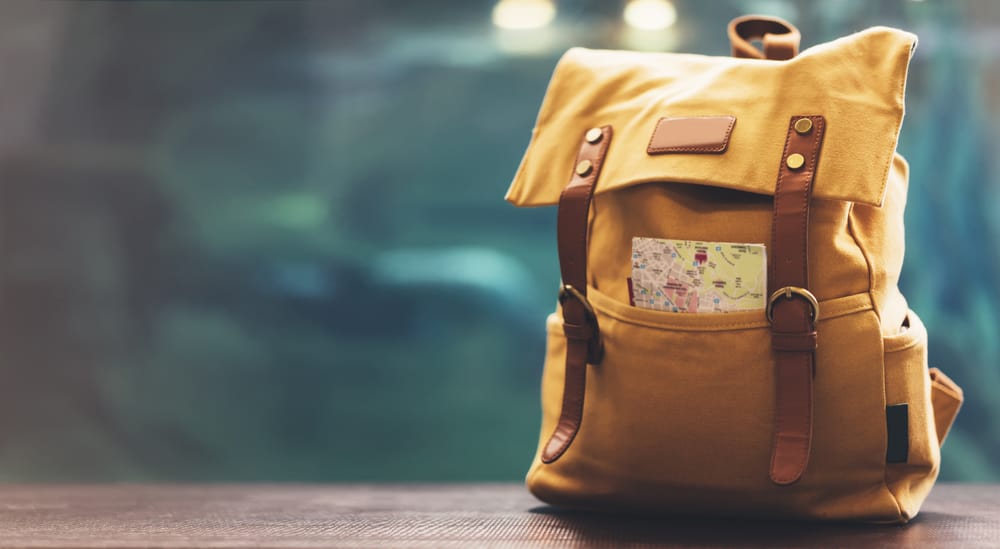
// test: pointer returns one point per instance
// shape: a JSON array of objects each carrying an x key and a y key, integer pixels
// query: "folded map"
[{"x": 687, "y": 276}]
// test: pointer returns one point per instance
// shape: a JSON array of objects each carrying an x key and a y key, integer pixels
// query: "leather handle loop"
[{"x": 779, "y": 37}]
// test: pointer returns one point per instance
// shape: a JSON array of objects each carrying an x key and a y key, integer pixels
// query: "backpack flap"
[{"x": 855, "y": 82}]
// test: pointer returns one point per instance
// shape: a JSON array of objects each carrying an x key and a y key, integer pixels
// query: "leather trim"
[
  {"x": 779, "y": 37},
  {"x": 583, "y": 340},
  {"x": 794, "y": 338},
  {"x": 692, "y": 134}
]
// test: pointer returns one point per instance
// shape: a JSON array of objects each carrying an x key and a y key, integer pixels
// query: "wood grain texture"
[{"x": 222, "y": 516}]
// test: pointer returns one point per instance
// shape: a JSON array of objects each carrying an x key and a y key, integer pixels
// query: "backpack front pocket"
[{"x": 679, "y": 415}]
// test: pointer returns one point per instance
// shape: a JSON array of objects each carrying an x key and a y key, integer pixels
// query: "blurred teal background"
[{"x": 267, "y": 240}]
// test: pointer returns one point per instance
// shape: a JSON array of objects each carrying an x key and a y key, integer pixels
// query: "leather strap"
[
  {"x": 779, "y": 37},
  {"x": 793, "y": 327},
  {"x": 583, "y": 340}
]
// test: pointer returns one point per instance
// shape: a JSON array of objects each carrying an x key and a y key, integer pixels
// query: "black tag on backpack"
[{"x": 897, "y": 426}]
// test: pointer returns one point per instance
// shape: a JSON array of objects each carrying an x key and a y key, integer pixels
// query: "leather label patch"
[
  {"x": 692, "y": 134},
  {"x": 897, "y": 423}
]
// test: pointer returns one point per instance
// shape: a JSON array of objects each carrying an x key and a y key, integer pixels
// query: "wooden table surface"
[{"x": 435, "y": 516}]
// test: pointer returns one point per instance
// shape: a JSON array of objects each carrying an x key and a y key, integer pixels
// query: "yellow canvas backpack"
[{"x": 817, "y": 404}]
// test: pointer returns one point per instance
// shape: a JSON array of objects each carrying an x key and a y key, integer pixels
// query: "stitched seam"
[
  {"x": 556, "y": 329},
  {"x": 820, "y": 125},
  {"x": 868, "y": 261},
  {"x": 778, "y": 196},
  {"x": 778, "y": 424},
  {"x": 686, "y": 149},
  {"x": 810, "y": 363},
  {"x": 576, "y": 180},
  {"x": 846, "y": 312},
  {"x": 715, "y": 327},
  {"x": 656, "y": 130},
  {"x": 650, "y": 149},
  {"x": 809, "y": 358},
  {"x": 900, "y": 97},
  {"x": 601, "y": 152}
]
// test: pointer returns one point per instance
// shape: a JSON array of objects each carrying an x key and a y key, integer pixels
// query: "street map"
[{"x": 686, "y": 276}]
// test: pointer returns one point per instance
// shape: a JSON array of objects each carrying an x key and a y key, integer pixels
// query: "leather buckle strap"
[
  {"x": 583, "y": 338},
  {"x": 793, "y": 321}
]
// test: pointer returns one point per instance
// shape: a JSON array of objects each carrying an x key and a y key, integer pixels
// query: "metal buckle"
[
  {"x": 567, "y": 291},
  {"x": 595, "y": 347},
  {"x": 788, "y": 292}
]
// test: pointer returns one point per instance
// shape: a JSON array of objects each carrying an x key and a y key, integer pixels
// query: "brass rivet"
[
  {"x": 803, "y": 126},
  {"x": 594, "y": 135},
  {"x": 795, "y": 161},
  {"x": 584, "y": 167}
]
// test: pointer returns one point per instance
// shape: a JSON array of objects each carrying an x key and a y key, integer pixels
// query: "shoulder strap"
[{"x": 583, "y": 340}]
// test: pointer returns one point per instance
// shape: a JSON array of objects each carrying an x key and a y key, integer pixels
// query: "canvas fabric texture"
[{"x": 679, "y": 415}]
